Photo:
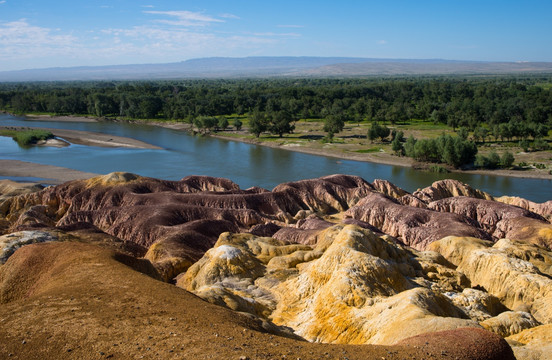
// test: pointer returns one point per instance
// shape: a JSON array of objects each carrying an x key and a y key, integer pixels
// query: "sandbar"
[
  {"x": 50, "y": 174},
  {"x": 91, "y": 138}
]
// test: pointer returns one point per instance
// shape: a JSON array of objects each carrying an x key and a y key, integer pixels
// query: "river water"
[{"x": 245, "y": 164}]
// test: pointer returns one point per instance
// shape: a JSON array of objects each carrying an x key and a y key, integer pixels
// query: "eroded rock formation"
[{"x": 334, "y": 259}]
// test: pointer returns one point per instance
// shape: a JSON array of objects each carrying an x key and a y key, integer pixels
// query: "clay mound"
[
  {"x": 543, "y": 209},
  {"x": 388, "y": 188},
  {"x": 449, "y": 188},
  {"x": 11, "y": 242},
  {"x": 460, "y": 337},
  {"x": 415, "y": 227},
  {"x": 328, "y": 194},
  {"x": 494, "y": 217},
  {"x": 151, "y": 212},
  {"x": 81, "y": 301}
]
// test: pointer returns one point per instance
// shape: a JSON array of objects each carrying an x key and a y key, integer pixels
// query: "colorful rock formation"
[{"x": 335, "y": 259}]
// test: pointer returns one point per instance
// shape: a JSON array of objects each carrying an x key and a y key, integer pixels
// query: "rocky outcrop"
[
  {"x": 352, "y": 287},
  {"x": 543, "y": 209},
  {"x": 497, "y": 219},
  {"x": 532, "y": 344},
  {"x": 334, "y": 259},
  {"x": 443, "y": 189},
  {"x": 11, "y": 242},
  {"x": 413, "y": 226},
  {"x": 510, "y": 323},
  {"x": 182, "y": 219},
  {"x": 9, "y": 188},
  {"x": 388, "y": 188},
  {"x": 517, "y": 283}
]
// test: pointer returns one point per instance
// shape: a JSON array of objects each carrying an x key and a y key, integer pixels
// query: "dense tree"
[
  {"x": 280, "y": 123},
  {"x": 507, "y": 160},
  {"x": 222, "y": 123},
  {"x": 397, "y": 146},
  {"x": 237, "y": 124},
  {"x": 378, "y": 131},
  {"x": 446, "y": 149},
  {"x": 333, "y": 123},
  {"x": 511, "y": 108},
  {"x": 480, "y": 134},
  {"x": 258, "y": 123},
  {"x": 409, "y": 146}
]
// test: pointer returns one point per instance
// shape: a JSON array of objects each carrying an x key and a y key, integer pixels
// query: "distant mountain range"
[{"x": 222, "y": 67}]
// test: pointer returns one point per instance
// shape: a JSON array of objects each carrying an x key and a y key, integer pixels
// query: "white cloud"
[
  {"x": 2, "y": 2},
  {"x": 148, "y": 6},
  {"x": 229, "y": 16},
  {"x": 24, "y": 45},
  {"x": 271, "y": 34},
  {"x": 19, "y": 39},
  {"x": 382, "y": 42},
  {"x": 185, "y": 18},
  {"x": 179, "y": 42},
  {"x": 291, "y": 26}
]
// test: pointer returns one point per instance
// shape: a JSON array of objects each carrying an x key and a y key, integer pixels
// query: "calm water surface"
[{"x": 246, "y": 164}]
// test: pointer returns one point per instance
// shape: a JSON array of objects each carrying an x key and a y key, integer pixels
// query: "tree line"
[{"x": 457, "y": 102}]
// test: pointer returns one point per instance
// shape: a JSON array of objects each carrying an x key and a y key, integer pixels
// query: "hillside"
[{"x": 274, "y": 66}]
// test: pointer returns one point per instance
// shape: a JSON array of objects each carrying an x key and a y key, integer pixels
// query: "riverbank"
[
  {"x": 46, "y": 174},
  {"x": 350, "y": 144}
]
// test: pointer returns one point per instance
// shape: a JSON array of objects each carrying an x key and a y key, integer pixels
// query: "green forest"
[{"x": 505, "y": 108}]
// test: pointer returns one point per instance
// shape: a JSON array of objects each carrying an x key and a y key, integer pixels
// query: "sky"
[{"x": 43, "y": 33}]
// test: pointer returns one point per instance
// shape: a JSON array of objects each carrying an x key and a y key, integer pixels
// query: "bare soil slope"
[{"x": 71, "y": 300}]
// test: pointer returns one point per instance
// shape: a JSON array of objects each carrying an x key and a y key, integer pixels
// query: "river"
[{"x": 246, "y": 164}]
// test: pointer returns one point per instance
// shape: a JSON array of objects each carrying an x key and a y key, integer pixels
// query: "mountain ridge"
[{"x": 274, "y": 66}]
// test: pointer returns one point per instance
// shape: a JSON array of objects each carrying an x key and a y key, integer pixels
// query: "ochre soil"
[{"x": 74, "y": 300}]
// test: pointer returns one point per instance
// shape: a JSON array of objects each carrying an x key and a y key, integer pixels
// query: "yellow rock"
[
  {"x": 509, "y": 323},
  {"x": 532, "y": 344},
  {"x": 353, "y": 287},
  {"x": 111, "y": 179},
  {"x": 516, "y": 282}
]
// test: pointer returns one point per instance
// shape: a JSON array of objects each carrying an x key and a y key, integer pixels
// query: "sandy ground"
[
  {"x": 51, "y": 174},
  {"x": 61, "y": 118}
]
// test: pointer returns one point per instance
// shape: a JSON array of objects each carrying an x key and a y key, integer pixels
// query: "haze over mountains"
[{"x": 223, "y": 67}]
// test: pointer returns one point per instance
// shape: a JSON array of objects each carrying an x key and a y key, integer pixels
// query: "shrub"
[
  {"x": 29, "y": 137},
  {"x": 438, "y": 169},
  {"x": 507, "y": 160},
  {"x": 524, "y": 144},
  {"x": 540, "y": 144}
]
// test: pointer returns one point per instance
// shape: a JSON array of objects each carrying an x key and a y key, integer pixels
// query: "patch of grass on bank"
[
  {"x": 417, "y": 124},
  {"x": 27, "y": 137},
  {"x": 368, "y": 151}
]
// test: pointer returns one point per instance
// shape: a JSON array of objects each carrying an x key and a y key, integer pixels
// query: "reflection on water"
[{"x": 246, "y": 164}]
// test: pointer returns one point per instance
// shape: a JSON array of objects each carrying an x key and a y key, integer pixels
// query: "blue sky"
[{"x": 42, "y": 33}]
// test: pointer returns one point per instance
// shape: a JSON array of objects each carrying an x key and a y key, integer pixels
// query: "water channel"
[{"x": 245, "y": 164}]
